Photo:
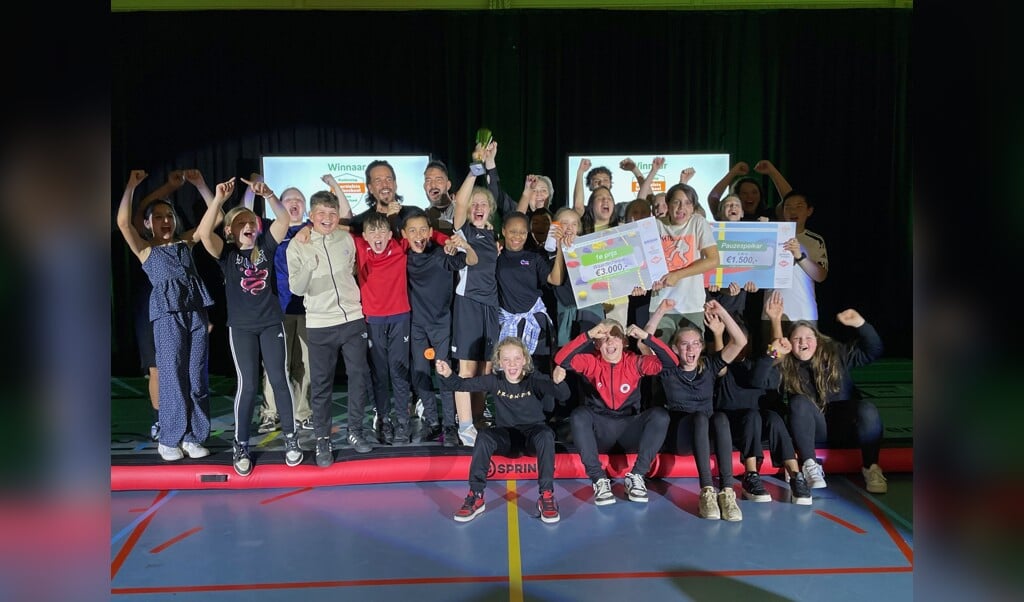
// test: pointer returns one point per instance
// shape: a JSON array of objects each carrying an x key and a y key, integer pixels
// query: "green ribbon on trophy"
[{"x": 483, "y": 138}]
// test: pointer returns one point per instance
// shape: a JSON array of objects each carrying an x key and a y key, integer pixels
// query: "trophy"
[{"x": 483, "y": 138}]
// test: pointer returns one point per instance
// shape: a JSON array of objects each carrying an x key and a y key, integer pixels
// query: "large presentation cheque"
[
  {"x": 608, "y": 264},
  {"x": 752, "y": 252}
]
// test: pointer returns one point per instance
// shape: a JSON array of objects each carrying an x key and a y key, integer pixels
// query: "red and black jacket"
[{"x": 613, "y": 389}]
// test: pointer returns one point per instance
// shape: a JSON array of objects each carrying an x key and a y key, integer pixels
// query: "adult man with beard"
[
  {"x": 437, "y": 186},
  {"x": 382, "y": 197}
]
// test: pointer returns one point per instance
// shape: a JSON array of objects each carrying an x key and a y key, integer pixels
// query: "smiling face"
[
  {"x": 382, "y": 185},
  {"x": 436, "y": 184},
  {"x": 731, "y": 209},
  {"x": 295, "y": 204},
  {"x": 569, "y": 220},
  {"x": 804, "y": 342},
  {"x": 514, "y": 230},
  {"x": 244, "y": 229},
  {"x": 750, "y": 196},
  {"x": 688, "y": 345},
  {"x": 325, "y": 218},
  {"x": 479, "y": 209},
  {"x": 541, "y": 194},
  {"x": 512, "y": 362},
  {"x": 604, "y": 205},
  {"x": 418, "y": 232},
  {"x": 162, "y": 223},
  {"x": 796, "y": 209},
  {"x": 611, "y": 347},
  {"x": 680, "y": 207},
  {"x": 378, "y": 237}
]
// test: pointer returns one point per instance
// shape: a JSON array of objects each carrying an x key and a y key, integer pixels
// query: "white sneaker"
[
  {"x": 814, "y": 474},
  {"x": 730, "y": 510},
  {"x": 874, "y": 480},
  {"x": 636, "y": 488},
  {"x": 708, "y": 507},
  {"x": 194, "y": 450},
  {"x": 603, "y": 492},
  {"x": 170, "y": 453}
]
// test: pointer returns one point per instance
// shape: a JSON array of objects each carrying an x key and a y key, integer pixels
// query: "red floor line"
[
  {"x": 842, "y": 522},
  {"x": 908, "y": 552},
  {"x": 170, "y": 542},
  {"x": 504, "y": 579},
  {"x": 305, "y": 585},
  {"x": 271, "y": 500},
  {"x": 726, "y": 573},
  {"x": 130, "y": 542}
]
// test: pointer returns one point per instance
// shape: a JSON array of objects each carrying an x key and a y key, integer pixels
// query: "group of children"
[{"x": 400, "y": 292}]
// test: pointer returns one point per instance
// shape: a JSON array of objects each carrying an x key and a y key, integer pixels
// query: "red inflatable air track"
[{"x": 444, "y": 468}]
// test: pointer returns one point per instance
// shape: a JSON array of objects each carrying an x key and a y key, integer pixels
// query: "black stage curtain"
[{"x": 823, "y": 94}]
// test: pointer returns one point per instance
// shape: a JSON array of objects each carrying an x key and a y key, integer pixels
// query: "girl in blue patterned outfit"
[{"x": 177, "y": 309}]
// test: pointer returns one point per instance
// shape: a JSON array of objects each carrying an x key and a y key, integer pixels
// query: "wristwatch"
[{"x": 802, "y": 257}]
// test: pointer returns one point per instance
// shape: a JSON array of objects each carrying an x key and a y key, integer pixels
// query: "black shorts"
[
  {"x": 475, "y": 330},
  {"x": 144, "y": 336}
]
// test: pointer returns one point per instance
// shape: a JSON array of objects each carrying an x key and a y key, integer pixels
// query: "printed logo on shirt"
[
  {"x": 524, "y": 262},
  {"x": 253, "y": 280},
  {"x": 624, "y": 388}
]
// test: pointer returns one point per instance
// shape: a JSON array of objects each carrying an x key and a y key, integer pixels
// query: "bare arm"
[
  {"x": 526, "y": 200},
  {"x": 344, "y": 207},
  {"x": 195, "y": 177},
  {"x": 124, "y": 216},
  {"x": 175, "y": 180},
  {"x": 204, "y": 233},
  {"x": 577, "y": 190},
  {"x": 462, "y": 197},
  {"x": 709, "y": 260},
  {"x": 646, "y": 183},
  {"x": 279, "y": 227},
  {"x": 715, "y": 196},
  {"x": 558, "y": 269},
  {"x": 737, "y": 340},
  {"x": 766, "y": 167},
  {"x": 774, "y": 309}
]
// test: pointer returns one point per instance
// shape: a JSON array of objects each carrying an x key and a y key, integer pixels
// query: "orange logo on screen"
[
  {"x": 357, "y": 188},
  {"x": 656, "y": 186}
]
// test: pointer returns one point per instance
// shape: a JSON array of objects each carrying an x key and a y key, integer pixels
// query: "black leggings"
[
  {"x": 690, "y": 433},
  {"x": 853, "y": 423}
]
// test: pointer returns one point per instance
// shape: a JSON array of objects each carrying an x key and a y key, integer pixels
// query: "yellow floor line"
[{"x": 515, "y": 565}]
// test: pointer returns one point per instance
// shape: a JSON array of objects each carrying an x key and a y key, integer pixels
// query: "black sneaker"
[
  {"x": 450, "y": 436},
  {"x": 385, "y": 432},
  {"x": 324, "y": 452},
  {"x": 292, "y": 452},
  {"x": 471, "y": 507},
  {"x": 801, "y": 492},
  {"x": 358, "y": 443},
  {"x": 753, "y": 489},
  {"x": 241, "y": 459},
  {"x": 548, "y": 507},
  {"x": 431, "y": 433},
  {"x": 401, "y": 436}
]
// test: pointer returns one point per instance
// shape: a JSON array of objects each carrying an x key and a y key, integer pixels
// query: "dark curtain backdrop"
[{"x": 823, "y": 94}]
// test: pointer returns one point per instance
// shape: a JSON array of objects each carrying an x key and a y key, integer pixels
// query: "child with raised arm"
[
  {"x": 321, "y": 268},
  {"x": 430, "y": 268},
  {"x": 475, "y": 327},
  {"x": 689, "y": 398},
  {"x": 742, "y": 392},
  {"x": 823, "y": 402},
  {"x": 611, "y": 415},
  {"x": 177, "y": 310},
  {"x": 521, "y": 397},
  {"x": 255, "y": 320}
]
